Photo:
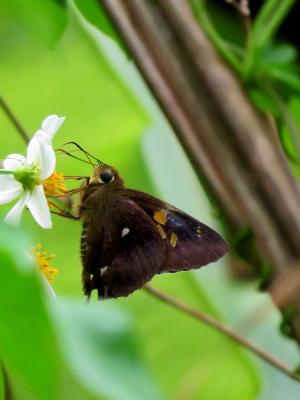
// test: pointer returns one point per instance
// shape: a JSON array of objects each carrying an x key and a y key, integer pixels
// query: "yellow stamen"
[
  {"x": 54, "y": 185},
  {"x": 42, "y": 261}
]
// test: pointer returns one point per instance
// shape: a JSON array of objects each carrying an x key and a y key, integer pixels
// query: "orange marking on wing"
[
  {"x": 173, "y": 239},
  {"x": 161, "y": 231},
  {"x": 161, "y": 216}
]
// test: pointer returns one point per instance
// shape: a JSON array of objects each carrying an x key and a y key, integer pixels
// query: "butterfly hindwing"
[
  {"x": 130, "y": 251},
  {"x": 189, "y": 243},
  {"x": 192, "y": 244}
]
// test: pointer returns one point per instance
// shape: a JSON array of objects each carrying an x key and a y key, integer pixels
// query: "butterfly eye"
[{"x": 106, "y": 176}]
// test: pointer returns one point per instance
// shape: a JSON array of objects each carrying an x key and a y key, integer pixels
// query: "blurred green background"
[{"x": 88, "y": 79}]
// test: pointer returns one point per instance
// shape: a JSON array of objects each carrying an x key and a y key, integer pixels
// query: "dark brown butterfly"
[{"x": 129, "y": 236}]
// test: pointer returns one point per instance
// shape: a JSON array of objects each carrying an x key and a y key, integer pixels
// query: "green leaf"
[
  {"x": 27, "y": 340},
  {"x": 272, "y": 58},
  {"x": 289, "y": 79},
  {"x": 265, "y": 275},
  {"x": 271, "y": 15},
  {"x": 263, "y": 101},
  {"x": 98, "y": 342},
  {"x": 94, "y": 13},
  {"x": 279, "y": 54},
  {"x": 45, "y": 19},
  {"x": 288, "y": 314},
  {"x": 206, "y": 23},
  {"x": 285, "y": 134},
  {"x": 190, "y": 359}
]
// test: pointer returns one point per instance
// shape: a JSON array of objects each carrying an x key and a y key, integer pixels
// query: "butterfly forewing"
[{"x": 189, "y": 243}]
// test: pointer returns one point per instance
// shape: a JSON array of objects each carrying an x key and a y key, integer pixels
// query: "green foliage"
[
  {"x": 271, "y": 15},
  {"x": 278, "y": 64},
  {"x": 288, "y": 313},
  {"x": 265, "y": 275},
  {"x": 297, "y": 370},
  {"x": 190, "y": 359},
  {"x": 93, "y": 12},
  {"x": 94, "y": 344},
  {"x": 24, "y": 321},
  {"x": 46, "y": 19},
  {"x": 99, "y": 342},
  {"x": 269, "y": 70},
  {"x": 241, "y": 241},
  {"x": 39, "y": 348}
]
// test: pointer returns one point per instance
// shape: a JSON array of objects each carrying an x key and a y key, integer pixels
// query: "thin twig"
[
  {"x": 8, "y": 392},
  {"x": 14, "y": 120},
  {"x": 226, "y": 330},
  {"x": 243, "y": 9}
]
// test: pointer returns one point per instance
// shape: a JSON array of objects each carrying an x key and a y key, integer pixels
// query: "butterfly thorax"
[{"x": 98, "y": 205}]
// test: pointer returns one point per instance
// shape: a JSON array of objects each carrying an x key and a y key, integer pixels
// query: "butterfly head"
[{"x": 106, "y": 175}]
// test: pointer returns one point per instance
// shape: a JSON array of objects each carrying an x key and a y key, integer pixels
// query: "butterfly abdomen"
[{"x": 83, "y": 244}]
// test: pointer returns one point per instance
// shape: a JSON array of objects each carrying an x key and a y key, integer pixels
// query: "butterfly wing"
[
  {"x": 189, "y": 243},
  {"x": 126, "y": 253}
]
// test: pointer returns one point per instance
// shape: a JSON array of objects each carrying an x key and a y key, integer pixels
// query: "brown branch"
[
  {"x": 243, "y": 9},
  {"x": 224, "y": 329},
  {"x": 14, "y": 120},
  {"x": 228, "y": 142}
]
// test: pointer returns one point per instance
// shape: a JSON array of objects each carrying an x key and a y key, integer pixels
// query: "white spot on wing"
[
  {"x": 125, "y": 231},
  {"x": 103, "y": 270}
]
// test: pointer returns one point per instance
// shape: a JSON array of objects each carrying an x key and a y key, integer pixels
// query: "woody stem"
[{"x": 13, "y": 119}]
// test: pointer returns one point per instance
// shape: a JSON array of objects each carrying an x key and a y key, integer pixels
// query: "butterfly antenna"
[
  {"x": 85, "y": 152},
  {"x": 72, "y": 155}
]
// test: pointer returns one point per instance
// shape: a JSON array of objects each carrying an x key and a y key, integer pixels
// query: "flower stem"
[
  {"x": 11, "y": 116},
  {"x": 223, "y": 328},
  {"x": 6, "y": 171}
]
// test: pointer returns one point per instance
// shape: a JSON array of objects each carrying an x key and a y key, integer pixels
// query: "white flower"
[{"x": 22, "y": 178}]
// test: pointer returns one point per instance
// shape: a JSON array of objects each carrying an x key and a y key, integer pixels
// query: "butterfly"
[{"x": 129, "y": 236}]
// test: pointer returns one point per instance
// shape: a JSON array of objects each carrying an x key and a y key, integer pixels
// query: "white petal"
[
  {"x": 38, "y": 207},
  {"x": 34, "y": 151},
  {"x": 14, "y": 215},
  {"x": 48, "y": 161},
  {"x": 42, "y": 136},
  {"x": 10, "y": 189},
  {"x": 51, "y": 124},
  {"x": 8, "y": 182},
  {"x": 48, "y": 288},
  {"x": 42, "y": 152},
  {"x": 14, "y": 161}
]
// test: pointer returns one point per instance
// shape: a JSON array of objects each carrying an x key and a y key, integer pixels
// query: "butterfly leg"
[
  {"x": 77, "y": 177},
  {"x": 63, "y": 213},
  {"x": 91, "y": 282},
  {"x": 94, "y": 281},
  {"x": 87, "y": 283}
]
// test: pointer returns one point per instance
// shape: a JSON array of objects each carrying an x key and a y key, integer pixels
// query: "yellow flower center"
[
  {"x": 42, "y": 261},
  {"x": 54, "y": 185}
]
